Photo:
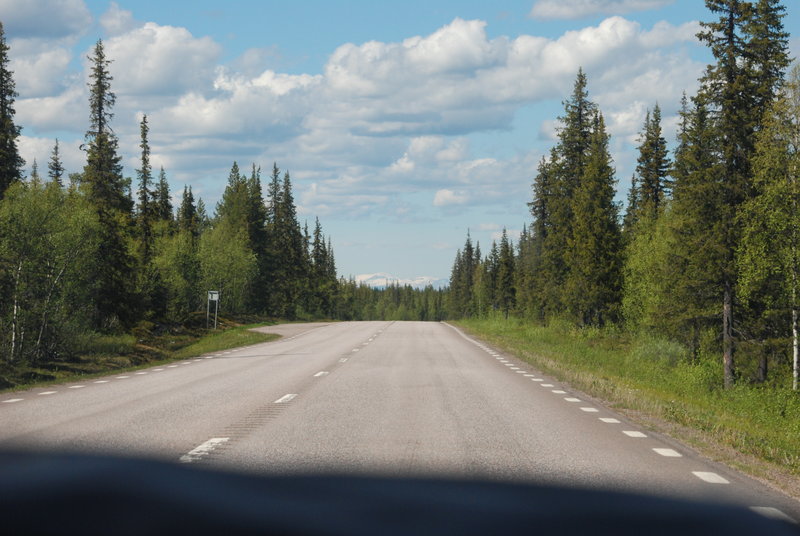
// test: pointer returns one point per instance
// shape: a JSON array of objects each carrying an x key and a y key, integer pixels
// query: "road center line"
[
  {"x": 77, "y": 386},
  {"x": 711, "y": 478},
  {"x": 203, "y": 450},
  {"x": 12, "y": 400},
  {"x": 559, "y": 392},
  {"x": 122, "y": 377},
  {"x": 571, "y": 399},
  {"x": 590, "y": 410},
  {"x": 101, "y": 381},
  {"x": 609, "y": 420},
  {"x": 547, "y": 385},
  {"x": 321, "y": 373},
  {"x": 47, "y": 393},
  {"x": 286, "y": 398},
  {"x": 343, "y": 360}
]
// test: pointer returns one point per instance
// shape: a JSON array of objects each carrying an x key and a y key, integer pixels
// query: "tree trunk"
[{"x": 727, "y": 336}]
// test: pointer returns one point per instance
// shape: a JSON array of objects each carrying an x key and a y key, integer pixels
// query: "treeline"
[
  {"x": 706, "y": 252},
  {"x": 95, "y": 252}
]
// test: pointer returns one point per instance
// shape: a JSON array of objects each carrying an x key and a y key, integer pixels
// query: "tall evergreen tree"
[
  {"x": 652, "y": 165},
  {"x": 750, "y": 49},
  {"x": 55, "y": 168},
  {"x": 11, "y": 162},
  {"x": 107, "y": 192},
  {"x": 187, "y": 213},
  {"x": 163, "y": 199},
  {"x": 506, "y": 291},
  {"x": 593, "y": 283},
  {"x": 145, "y": 210}
]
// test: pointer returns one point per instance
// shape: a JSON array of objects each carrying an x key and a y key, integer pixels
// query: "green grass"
[
  {"x": 99, "y": 355},
  {"x": 656, "y": 378},
  {"x": 232, "y": 338}
]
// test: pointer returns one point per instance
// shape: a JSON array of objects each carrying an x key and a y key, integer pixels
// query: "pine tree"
[
  {"x": 107, "y": 192},
  {"x": 11, "y": 162},
  {"x": 187, "y": 213},
  {"x": 750, "y": 48},
  {"x": 35, "y": 177},
  {"x": 163, "y": 200},
  {"x": 55, "y": 168},
  {"x": 593, "y": 283},
  {"x": 652, "y": 165},
  {"x": 145, "y": 210},
  {"x": 506, "y": 292}
]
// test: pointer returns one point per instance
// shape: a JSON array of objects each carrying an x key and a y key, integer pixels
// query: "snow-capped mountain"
[{"x": 383, "y": 280}]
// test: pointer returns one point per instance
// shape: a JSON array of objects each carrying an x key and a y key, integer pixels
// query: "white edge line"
[
  {"x": 711, "y": 478},
  {"x": 286, "y": 398}
]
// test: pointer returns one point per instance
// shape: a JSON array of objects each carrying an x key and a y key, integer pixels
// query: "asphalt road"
[{"x": 405, "y": 399}]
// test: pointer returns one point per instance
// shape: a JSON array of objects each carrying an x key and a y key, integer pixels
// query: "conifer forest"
[{"x": 704, "y": 252}]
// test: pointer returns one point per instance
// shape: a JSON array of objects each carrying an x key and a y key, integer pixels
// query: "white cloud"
[
  {"x": 447, "y": 197},
  {"x": 52, "y": 19},
  {"x": 575, "y": 9},
  {"x": 118, "y": 21},
  {"x": 161, "y": 60},
  {"x": 39, "y": 73}
]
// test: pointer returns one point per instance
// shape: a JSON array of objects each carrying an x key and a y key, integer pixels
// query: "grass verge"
[
  {"x": 755, "y": 429},
  {"x": 100, "y": 355}
]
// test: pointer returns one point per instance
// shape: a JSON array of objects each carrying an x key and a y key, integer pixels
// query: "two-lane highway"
[{"x": 405, "y": 398}]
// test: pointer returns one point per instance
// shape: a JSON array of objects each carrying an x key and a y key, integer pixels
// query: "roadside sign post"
[{"x": 213, "y": 295}]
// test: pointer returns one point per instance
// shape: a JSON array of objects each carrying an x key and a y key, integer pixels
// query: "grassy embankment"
[
  {"x": 652, "y": 381},
  {"x": 97, "y": 355}
]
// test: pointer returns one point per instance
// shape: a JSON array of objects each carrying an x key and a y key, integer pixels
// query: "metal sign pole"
[
  {"x": 213, "y": 295},
  {"x": 216, "y": 311}
]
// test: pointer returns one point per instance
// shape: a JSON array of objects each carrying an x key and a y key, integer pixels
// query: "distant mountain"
[{"x": 383, "y": 280}]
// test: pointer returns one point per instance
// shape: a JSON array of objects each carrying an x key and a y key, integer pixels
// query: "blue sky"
[{"x": 403, "y": 124}]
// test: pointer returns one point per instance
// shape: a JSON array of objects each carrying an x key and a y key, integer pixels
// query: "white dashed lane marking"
[
  {"x": 711, "y": 478},
  {"x": 286, "y": 398},
  {"x": 321, "y": 373},
  {"x": 548, "y": 385},
  {"x": 12, "y": 400},
  {"x": 122, "y": 377},
  {"x": 590, "y": 410},
  {"x": 47, "y": 393},
  {"x": 669, "y": 453},
  {"x": 609, "y": 420},
  {"x": 77, "y": 386},
  {"x": 101, "y": 381},
  {"x": 203, "y": 450},
  {"x": 559, "y": 392},
  {"x": 633, "y": 433},
  {"x": 343, "y": 360},
  {"x": 571, "y": 399}
]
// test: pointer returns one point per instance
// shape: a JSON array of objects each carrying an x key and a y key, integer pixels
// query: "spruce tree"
[
  {"x": 750, "y": 49},
  {"x": 593, "y": 283},
  {"x": 145, "y": 209},
  {"x": 107, "y": 192},
  {"x": 162, "y": 199},
  {"x": 11, "y": 162},
  {"x": 55, "y": 168},
  {"x": 187, "y": 213},
  {"x": 652, "y": 165},
  {"x": 506, "y": 292}
]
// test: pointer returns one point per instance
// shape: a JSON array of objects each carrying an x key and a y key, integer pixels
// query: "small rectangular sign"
[{"x": 213, "y": 295}]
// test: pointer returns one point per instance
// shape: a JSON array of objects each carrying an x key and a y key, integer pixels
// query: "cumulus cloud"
[
  {"x": 385, "y": 129},
  {"x": 53, "y": 19},
  {"x": 576, "y": 9},
  {"x": 117, "y": 21},
  {"x": 446, "y": 197},
  {"x": 161, "y": 60}
]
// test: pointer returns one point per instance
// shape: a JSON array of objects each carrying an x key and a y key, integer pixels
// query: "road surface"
[{"x": 398, "y": 399}]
